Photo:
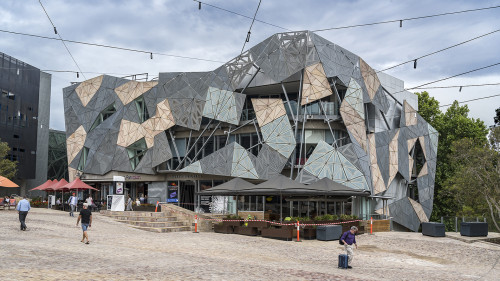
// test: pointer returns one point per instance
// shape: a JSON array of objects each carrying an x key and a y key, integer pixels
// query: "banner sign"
[
  {"x": 116, "y": 202},
  {"x": 119, "y": 188},
  {"x": 173, "y": 192},
  {"x": 205, "y": 202}
]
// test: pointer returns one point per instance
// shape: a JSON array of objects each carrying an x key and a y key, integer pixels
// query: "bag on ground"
[{"x": 343, "y": 261}]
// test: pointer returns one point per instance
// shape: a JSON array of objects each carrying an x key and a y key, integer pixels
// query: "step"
[
  {"x": 153, "y": 219},
  {"x": 163, "y": 229},
  {"x": 132, "y": 213},
  {"x": 155, "y": 224}
]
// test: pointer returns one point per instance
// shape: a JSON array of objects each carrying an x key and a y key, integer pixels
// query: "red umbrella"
[
  {"x": 55, "y": 187},
  {"x": 78, "y": 185},
  {"x": 48, "y": 183}
]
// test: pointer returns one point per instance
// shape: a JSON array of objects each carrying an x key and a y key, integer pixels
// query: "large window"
[
  {"x": 105, "y": 114},
  {"x": 136, "y": 151},
  {"x": 83, "y": 158},
  {"x": 142, "y": 110}
]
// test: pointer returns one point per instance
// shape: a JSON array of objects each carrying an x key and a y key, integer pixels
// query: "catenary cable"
[
  {"x": 250, "y": 29},
  {"x": 58, "y": 34},
  {"x": 107, "y": 46},
  {"x": 438, "y": 51},
  {"x": 458, "y": 86},
  {"x": 241, "y": 15},
  {"x": 406, "y": 19},
  {"x": 466, "y": 101}
]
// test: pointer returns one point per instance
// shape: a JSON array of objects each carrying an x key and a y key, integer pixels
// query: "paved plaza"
[{"x": 50, "y": 249}]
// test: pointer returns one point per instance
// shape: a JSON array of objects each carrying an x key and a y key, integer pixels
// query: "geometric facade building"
[{"x": 294, "y": 104}]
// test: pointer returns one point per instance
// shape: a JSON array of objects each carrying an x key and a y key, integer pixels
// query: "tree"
[
  {"x": 452, "y": 125},
  {"x": 475, "y": 183},
  {"x": 8, "y": 168},
  {"x": 497, "y": 117}
]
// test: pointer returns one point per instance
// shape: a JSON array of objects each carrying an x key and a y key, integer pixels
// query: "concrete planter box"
[
  {"x": 251, "y": 231},
  {"x": 232, "y": 223},
  {"x": 258, "y": 224},
  {"x": 308, "y": 233},
  {"x": 280, "y": 233},
  {"x": 221, "y": 228},
  {"x": 433, "y": 229},
  {"x": 328, "y": 232},
  {"x": 474, "y": 229}
]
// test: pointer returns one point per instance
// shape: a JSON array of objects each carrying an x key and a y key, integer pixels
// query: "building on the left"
[{"x": 24, "y": 120}]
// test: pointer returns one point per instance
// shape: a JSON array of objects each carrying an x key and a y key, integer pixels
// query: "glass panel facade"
[
  {"x": 136, "y": 151},
  {"x": 142, "y": 110},
  {"x": 105, "y": 114},
  {"x": 83, "y": 158}
]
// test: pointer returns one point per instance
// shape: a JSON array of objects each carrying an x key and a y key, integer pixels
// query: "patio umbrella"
[
  {"x": 77, "y": 184},
  {"x": 57, "y": 187},
  {"x": 5, "y": 182},
  {"x": 44, "y": 185}
]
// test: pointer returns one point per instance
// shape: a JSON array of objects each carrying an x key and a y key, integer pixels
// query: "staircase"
[{"x": 154, "y": 222}]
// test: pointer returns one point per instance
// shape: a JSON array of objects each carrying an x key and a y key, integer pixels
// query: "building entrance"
[{"x": 186, "y": 195}]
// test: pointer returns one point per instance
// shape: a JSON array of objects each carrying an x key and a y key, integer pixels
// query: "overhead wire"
[
  {"x": 453, "y": 76},
  {"x": 466, "y": 101},
  {"x": 459, "y": 86},
  {"x": 250, "y": 29},
  {"x": 241, "y": 15},
  {"x": 406, "y": 19},
  {"x": 58, "y": 34},
  {"x": 438, "y": 51},
  {"x": 107, "y": 46}
]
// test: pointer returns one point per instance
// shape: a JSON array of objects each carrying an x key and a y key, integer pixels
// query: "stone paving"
[{"x": 50, "y": 249}]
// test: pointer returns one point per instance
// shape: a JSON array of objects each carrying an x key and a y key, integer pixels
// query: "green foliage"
[
  {"x": 301, "y": 219},
  {"x": 475, "y": 184},
  {"x": 8, "y": 168},
  {"x": 452, "y": 125},
  {"x": 233, "y": 217}
]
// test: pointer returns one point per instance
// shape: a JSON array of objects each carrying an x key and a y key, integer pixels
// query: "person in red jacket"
[{"x": 349, "y": 238}]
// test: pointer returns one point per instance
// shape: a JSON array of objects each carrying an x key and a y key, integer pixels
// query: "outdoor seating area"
[{"x": 58, "y": 202}]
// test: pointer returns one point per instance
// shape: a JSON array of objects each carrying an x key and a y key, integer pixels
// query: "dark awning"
[
  {"x": 231, "y": 187},
  {"x": 281, "y": 185},
  {"x": 330, "y": 187}
]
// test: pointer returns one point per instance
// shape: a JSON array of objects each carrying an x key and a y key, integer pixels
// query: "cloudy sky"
[{"x": 177, "y": 27}]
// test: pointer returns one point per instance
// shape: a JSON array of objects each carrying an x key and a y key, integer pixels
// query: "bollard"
[
  {"x": 195, "y": 224},
  {"x": 456, "y": 224},
  {"x": 442, "y": 220},
  {"x": 371, "y": 225},
  {"x": 298, "y": 231},
  {"x": 156, "y": 209}
]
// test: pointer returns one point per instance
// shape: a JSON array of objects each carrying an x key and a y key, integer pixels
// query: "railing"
[{"x": 453, "y": 223}]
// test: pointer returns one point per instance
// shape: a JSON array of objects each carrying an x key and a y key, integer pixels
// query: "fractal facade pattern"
[{"x": 311, "y": 108}]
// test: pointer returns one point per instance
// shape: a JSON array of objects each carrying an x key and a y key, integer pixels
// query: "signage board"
[{"x": 173, "y": 192}]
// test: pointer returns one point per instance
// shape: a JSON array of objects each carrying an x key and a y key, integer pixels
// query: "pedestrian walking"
[
  {"x": 349, "y": 238},
  {"x": 23, "y": 207},
  {"x": 72, "y": 201},
  {"x": 129, "y": 204},
  {"x": 6, "y": 202},
  {"x": 86, "y": 218}
]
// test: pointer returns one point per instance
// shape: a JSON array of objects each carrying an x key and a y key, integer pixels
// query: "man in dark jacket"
[{"x": 349, "y": 238}]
